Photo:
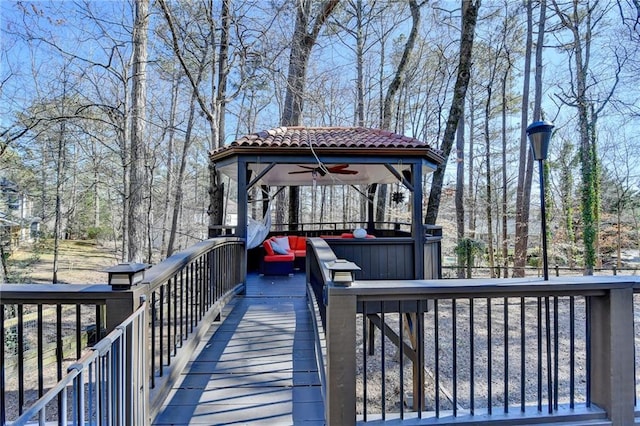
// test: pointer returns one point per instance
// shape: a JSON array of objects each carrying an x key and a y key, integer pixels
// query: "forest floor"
[{"x": 79, "y": 262}]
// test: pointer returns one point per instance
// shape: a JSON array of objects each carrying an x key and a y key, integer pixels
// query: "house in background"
[{"x": 17, "y": 224}]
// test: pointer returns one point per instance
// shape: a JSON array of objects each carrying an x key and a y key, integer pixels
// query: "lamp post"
[{"x": 539, "y": 134}]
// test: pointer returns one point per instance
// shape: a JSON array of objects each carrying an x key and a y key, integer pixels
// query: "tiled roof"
[{"x": 287, "y": 138}]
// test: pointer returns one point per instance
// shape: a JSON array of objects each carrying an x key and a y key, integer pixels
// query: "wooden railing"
[
  {"x": 184, "y": 294},
  {"x": 510, "y": 351}
]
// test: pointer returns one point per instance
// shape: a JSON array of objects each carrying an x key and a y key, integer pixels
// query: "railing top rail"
[
  {"x": 497, "y": 287},
  {"x": 161, "y": 272},
  {"x": 57, "y": 293},
  {"x": 324, "y": 254}
]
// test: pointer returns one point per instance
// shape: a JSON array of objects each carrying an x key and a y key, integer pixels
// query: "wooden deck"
[{"x": 257, "y": 368}]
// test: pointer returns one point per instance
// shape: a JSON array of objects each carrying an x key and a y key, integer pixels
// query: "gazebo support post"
[
  {"x": 243, "y": 204},
  {"x": 371, "y": 192},
  {"x": 417, "y": 228}
]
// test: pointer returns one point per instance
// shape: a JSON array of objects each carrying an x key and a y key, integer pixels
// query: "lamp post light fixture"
[
  {"x": 126, "y": 275},
  {"x": 539, "y": 134},
  {"x": 342, "y": 272}
]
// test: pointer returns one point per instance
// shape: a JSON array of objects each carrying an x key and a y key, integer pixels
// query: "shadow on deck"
[{"x": 256, "y": 367}]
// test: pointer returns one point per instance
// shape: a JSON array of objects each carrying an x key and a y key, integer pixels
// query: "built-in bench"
[{"x": 283, "y": 254}]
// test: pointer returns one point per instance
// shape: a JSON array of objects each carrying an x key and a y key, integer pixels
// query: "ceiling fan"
[{"x": 340, "y": 169}]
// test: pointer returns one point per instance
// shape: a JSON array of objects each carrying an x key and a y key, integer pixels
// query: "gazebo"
[{"x": 296, "y": 156}]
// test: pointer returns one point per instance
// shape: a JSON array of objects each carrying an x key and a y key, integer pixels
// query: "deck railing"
[
  {"x": 509, "y": 351},
  {"x": 184, "y": 294},
  {"x": 104, "y": 384}
]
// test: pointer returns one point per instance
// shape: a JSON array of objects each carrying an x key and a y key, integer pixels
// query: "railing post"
[
  {"x": 124, "y": 304},
  {"x": 340, "y": 406},
  {"x": 612, "y": 354}
]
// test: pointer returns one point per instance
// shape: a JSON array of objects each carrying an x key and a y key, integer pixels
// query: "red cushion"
[
  {"x": 301, "y": 244},
  {"x": 267, "y": 247},
  {"x": 293, "y": 240},
  {"x": 346, "y": 235},
  {"x": 300, "y": 253},
  {"x": 279, "y": 258}
]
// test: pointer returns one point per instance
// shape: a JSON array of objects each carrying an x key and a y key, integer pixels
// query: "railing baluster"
[
  {"x": 383, "y": 357},
  {"x": 539, "y": 330},
  {"x": 203, "y": 287},
  {"x": 506, "y": 354},
  {"x": 588, "y": 347},
  {"x": 3, "y": 383},
  {"x": 168, "y": 298},
  {"x": 420, "y": 354},
  {"x": 556, "y": 353},
  {"x": 161, "y": 327},
  {"x": 489, "y": 359},
  {"x": 472, "y": 357},
  {"x": 572, "y": 352},
  {"x": 91, "y": 391},
  {"x": 183, "y": 308},
  {"x": 547, "y": 319},
  {"x": 365, "y": 324},
  {"x": 40, "y": 354},
  {"x": 98, "y": 323},
  {"x": 522, "y": 354},
  {"x": 78, "y": 330},
  {"x": 454, "y": 339},
  {"x": 175, "y": 314},
  {"x": 153, "y": 339},
  {"x": 401, "y": 347},
  {"x": 20, "y": 358},
  {"x": 193, "y": 291},
  {"x": 436, "y": 350}
]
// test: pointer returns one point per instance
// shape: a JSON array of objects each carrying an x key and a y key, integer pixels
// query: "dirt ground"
[{"x": 79, "y": 262}]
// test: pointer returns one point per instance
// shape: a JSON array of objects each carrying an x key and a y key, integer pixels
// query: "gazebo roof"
[{"x": 338, "y": 155}]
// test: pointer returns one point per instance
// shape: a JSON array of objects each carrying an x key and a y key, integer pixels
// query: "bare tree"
[
  {"x": 469, "y": 18},
  {"x": 525, "y": 169},
  {"x": 138, "y": 132},
  {"x": 305, "y": 34},
  {"x": 581, "y": 20}
]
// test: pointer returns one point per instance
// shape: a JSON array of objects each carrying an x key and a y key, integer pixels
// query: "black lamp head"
[{"x": 539, "y": 134}]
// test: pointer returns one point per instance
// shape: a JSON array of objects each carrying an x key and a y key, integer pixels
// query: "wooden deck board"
[{"x": 258, "y": 367}]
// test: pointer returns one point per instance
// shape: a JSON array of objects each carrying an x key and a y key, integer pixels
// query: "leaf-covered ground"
[{"x": 79, "y": 262}]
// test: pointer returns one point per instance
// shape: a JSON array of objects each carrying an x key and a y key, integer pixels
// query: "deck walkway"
[{"x": 257, "y": 368}]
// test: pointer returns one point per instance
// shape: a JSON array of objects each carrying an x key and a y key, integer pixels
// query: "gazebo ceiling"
[{"x": 329, "y": 155}]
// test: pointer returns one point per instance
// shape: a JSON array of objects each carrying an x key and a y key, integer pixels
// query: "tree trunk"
[
  {"x": 471, "y": 194},
  {"x": 489, "y": 189},
  {"x": 505, "y": 182},
  {"x": 470, "y": 15},
  {"x": 223, "y": 68},
  {"x": 57, "y": 225},
  {"x": 359, "y": 65},
  {"x": 389, "y": 99},
  {"x": 304, "y": 38},
  {"x": 577, "y": 21},
  {"x": 525, "y": 169},
  {"x": 460, "y": 188},
  {"x": 177, "y": 203},
  {"x": 169, "y": 180},
  {"x": 138, "y": 127}
]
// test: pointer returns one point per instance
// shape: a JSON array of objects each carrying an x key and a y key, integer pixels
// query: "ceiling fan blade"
[
  {"x": 338, "y": 167},
  {"x": 345, "y": 172},
  {"x": 307, "y": 167},
  {"x": 300, "y": 171}
]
